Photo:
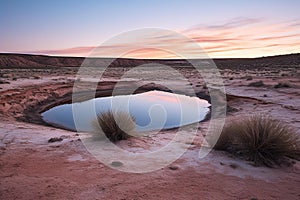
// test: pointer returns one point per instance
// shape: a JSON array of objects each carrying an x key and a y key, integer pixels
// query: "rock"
[
  {"x": 248, "y": 78},
  {"x": 257, "y": 84},
  {"x": 173, "y": 167},
  {"x": 116, "y": 164},
  {"x": 3, "y": 82},
  {"x": 55, "y": 139},
  {"x": 282, "y": 85},
  {"x": 233, "y": 166}
]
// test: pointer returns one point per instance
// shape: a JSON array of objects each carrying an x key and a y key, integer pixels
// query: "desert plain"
[{"x": 32, "y": 166}]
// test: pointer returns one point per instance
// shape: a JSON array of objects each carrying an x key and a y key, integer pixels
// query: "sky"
[{"x": 221, "y": 28}]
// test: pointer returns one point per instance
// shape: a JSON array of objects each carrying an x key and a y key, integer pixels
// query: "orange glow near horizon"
[
  {"x": 150, "y": 53},
  {"x": 248, "y": 39}
]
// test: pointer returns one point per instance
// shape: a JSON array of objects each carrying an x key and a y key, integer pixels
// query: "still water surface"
[{"x": 152, "y": 110}]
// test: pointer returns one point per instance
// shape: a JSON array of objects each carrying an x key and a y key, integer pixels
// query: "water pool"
[{"x": 152, "y": 110}]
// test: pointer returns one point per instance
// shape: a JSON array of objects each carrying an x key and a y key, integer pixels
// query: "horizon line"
[{"x": 214, "y": 58}]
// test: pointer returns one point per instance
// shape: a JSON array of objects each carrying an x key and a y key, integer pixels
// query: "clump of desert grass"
[
  {"x": 260, "y": 139},
  {"x": 116, "y": 125}
]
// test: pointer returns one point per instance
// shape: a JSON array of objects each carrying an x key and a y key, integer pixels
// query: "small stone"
[
  {"x": 256, "y": 84},
  {"x": 248, "y": 78},
  {"x": 282, "y": 85},
  {"x": 55, "y": 139},
  {"x": 233, "y": 166},
  {"x": 4, "y": 82},
  {"x": 116, "y": 164},
  {"x": 173, "y": 167}
]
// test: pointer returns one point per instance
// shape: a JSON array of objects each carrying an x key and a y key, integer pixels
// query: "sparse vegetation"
[
  {"x": 260, "y": 139},
  {"x": 116, "y": 125}
]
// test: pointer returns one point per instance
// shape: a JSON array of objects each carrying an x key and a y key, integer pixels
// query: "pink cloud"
[
  {"x": 68, "y": 51},
  {"x": 240, "y": 37}
]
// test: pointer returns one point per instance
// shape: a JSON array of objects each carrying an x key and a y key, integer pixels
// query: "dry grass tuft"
[
  {"x": 116, "y": 125},
  {"x": 260, "y": 139}
]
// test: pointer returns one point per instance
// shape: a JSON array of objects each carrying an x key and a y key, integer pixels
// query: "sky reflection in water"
[{"x": 166, "y": 110}]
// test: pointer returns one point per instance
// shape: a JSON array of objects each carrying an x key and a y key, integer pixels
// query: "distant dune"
[{"x": 8, "y": 60}]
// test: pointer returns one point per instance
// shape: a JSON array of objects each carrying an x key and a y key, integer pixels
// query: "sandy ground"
[{"x": 33, "y": 168}]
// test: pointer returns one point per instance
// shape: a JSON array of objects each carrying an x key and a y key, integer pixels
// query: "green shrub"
[
  {"x": 260, "y": 139},
  {"x": 115, "y": 125}
]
